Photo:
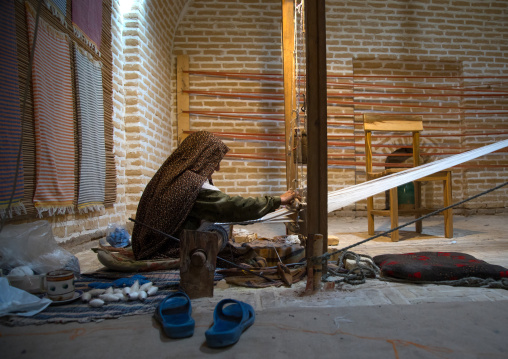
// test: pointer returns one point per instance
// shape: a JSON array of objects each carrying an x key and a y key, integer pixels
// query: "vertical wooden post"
[
  {"x": 314, "y": 270},
  {"x": 288, "y": 47},
  {"x": 417, "y": 185},
  {"x": 368, "y": 168},
  {"x": 448, "y": 214},
  {"x": 317, "y": 171},
  {"x": 182, "y": 97},
  {"x": 394, "y": 214}
]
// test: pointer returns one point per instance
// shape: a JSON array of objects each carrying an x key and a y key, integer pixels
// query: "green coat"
[{"x": 216, "y": 206}]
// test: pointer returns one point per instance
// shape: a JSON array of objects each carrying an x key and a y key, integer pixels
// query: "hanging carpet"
[
  {"x": 10, "y": 121},
  {"x": 92, "y": 152},
  {"x": 54, "y": 121},
  {"x": 87, "y": 21}
]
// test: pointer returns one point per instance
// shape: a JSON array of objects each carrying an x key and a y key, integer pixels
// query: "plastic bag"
[
  {"x": 117, "y": 236},
  {"x": 18, "y": 302},
  {"x": 33, "y": 245}
]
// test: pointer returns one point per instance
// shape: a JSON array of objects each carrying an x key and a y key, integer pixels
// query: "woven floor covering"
[{"x": 77, "y": 311}]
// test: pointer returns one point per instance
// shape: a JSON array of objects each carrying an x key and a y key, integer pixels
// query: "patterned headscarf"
[{"x": 169, "y": 196}]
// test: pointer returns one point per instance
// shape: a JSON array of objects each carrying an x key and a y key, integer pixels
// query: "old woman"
[{"x": 181, "y": 195}]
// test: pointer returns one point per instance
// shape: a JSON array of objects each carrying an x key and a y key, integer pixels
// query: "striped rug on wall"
[
  {"x": 87, "y": 22},
  {"x": 58, "y": 8},
  {"x": 92, "y": 151},
  {"x": 61, "y": 5},
  {"x": 10, "y": 120},
  {"x": 54, "y": 124}
]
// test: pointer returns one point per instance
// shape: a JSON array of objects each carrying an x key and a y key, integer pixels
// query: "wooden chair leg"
[
  {"x": 418, "y": 206},
  {"x": 394, "y": 214},
  {"x": 370, "y": 216},
  {"x": 448, "y": 214}
]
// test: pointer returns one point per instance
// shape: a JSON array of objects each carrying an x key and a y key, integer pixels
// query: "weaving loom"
[
  {"x": 305, "y": 117},
  {"x": 316, "y": 110},
  {"x": 352, "y": 194}
]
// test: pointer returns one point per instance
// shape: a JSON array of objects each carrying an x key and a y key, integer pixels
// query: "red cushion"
[{"x": 437, "y": 266}]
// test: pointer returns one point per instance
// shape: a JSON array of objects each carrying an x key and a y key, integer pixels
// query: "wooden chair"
[{"x": 403, "y": 124}]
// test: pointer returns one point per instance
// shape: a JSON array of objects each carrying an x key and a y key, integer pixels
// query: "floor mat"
[{"x": 77, "y": 311}]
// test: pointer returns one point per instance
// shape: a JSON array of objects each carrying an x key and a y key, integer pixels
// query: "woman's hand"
[{"x": 288, "y": 197}]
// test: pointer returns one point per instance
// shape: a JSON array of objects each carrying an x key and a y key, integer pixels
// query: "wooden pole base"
[{"x": 314, "y": 248}]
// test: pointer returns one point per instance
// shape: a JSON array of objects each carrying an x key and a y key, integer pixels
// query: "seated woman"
[{"x": 181, "y": 196}]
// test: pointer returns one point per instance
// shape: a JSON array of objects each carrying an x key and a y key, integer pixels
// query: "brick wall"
[
  {"x": 237, "y": 36},
  {"x": 245, "y": 36},
  {"x": 427, "y": 38},
  {"x": 148, "y": 92}
]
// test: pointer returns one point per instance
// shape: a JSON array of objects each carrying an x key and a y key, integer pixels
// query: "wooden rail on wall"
[{"x": 182, "y": 96}]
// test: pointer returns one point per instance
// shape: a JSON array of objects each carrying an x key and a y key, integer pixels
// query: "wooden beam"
[
  {"x": 317, "y": 171},
  {"x": 376, "y": 122},
  {"x": 288, "y": 34},
  {"x": 182, "y": 97}
]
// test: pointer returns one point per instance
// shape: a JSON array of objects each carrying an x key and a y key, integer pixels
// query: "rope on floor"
[{"x": 364, "y": 268}]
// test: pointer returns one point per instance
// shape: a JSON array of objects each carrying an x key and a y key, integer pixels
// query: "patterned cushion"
[{"x": 437, "y": 266}]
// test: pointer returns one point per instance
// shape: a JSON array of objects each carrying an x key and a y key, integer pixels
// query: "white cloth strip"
[{"x": 350, "y": 195}]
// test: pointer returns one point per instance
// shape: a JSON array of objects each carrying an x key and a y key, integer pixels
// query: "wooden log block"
[{"x": 198, "y": 257}]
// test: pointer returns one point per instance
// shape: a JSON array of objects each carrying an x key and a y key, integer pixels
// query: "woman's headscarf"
[{"x": 169, "y": 196}]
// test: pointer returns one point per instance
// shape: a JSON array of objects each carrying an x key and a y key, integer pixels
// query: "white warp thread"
[{"x": 352, "y": 194}]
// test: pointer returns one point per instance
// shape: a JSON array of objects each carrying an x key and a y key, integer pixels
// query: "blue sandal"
[
  {"x": 230, "y": 319},
  {"x": 174, "y": 315}
]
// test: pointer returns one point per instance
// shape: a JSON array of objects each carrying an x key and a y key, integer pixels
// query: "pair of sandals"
[{"x": 230, "y": 319}]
